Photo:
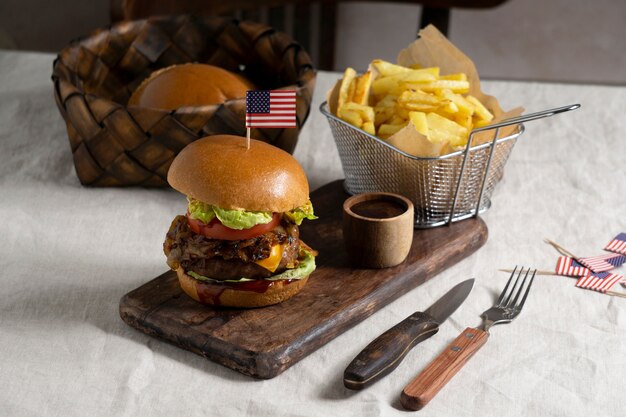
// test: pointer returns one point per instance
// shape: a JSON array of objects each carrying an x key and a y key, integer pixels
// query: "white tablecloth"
[{"x": 68, "y": 254}]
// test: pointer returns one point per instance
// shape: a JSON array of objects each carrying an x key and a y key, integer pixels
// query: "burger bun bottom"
[{"x": 229, "y": 296}]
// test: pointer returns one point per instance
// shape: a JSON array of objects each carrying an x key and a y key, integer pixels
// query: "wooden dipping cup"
[{"x": 377, "y": 229}]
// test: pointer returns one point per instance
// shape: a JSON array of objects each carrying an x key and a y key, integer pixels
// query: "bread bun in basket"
[{"x": 189, "y": 85}]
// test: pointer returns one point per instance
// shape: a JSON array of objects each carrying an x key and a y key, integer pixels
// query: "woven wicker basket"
[{"x": 115, "y": 145}]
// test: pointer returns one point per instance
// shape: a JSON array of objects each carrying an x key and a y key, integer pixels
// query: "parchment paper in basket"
[{"x": 433, "y": 49}]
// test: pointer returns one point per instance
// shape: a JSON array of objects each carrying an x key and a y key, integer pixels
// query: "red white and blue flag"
[
  {"x": 570, "y": 267},
  {"x": 601, "y": 281},
  {"x": 271, "y": 108},
  {"x": 618, "y": 244},
  {"x": 603, "y": 263}
]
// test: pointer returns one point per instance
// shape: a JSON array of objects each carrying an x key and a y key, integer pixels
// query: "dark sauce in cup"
[{"x": 378, "y": 209}]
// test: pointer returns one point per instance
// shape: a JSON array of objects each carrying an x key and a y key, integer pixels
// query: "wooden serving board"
[{"x": 263, "y": 342}]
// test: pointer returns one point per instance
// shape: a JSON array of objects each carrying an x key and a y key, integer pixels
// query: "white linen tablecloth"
[{"x": 69, "y": 253}]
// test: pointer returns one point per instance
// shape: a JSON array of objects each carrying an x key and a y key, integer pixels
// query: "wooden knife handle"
[
  {"x": 385, "y": 353},
  {"x": 427, "y": 384}
]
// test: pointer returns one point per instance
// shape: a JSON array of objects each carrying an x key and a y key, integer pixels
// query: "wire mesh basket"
[{"x": 443, "y": 189}]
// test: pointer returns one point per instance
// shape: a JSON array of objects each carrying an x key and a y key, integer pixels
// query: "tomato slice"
[{"x": 216, "y": 230}]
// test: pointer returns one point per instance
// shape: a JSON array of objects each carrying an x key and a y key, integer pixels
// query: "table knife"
[{"x": 387, "y": 351}]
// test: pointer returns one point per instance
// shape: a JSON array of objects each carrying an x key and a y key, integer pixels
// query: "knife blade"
[{"x": 387, "y": 351}]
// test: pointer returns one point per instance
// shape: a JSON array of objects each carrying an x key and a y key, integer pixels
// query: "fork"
[{"x": 431, "y": 380}]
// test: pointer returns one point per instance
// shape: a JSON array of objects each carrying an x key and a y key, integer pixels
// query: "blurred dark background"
[{"x": 556, "y": 40}]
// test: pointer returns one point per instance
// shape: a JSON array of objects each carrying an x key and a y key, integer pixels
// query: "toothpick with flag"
[
  {"x": 599, "y": 281},
  {"x": 588, "y": 279},
  {"x": 600, "y": 263},
  {"x": 603, "y": 263},
  {"x": 270, "y": 109},
  {"x": 570, "y": 267},
  {"x": 591, "y": 272},
  {"x": 618, "y": 244}
]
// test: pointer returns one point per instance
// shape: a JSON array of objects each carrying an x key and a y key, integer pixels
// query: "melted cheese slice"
[{"x": 271, "y": 262}]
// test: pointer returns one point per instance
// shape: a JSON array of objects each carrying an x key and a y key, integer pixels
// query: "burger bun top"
[{"x": 220, "y": 171}]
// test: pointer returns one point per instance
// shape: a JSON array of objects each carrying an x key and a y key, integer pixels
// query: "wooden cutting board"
[{"x": 264, "y": 342}]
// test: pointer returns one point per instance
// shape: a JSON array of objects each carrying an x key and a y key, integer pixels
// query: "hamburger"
[
  {"x": 189, "y": 85},
  {"x": 238, "y": 245}
]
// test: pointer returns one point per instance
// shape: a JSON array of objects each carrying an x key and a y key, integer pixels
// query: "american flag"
[
  {"x": 271, "y": 108},
  {"x": 603, "y": 263},
  {"x": 570, "y": 267},
  {"x": 618, "y": 244},
  {"x": 601, "y": 281}
]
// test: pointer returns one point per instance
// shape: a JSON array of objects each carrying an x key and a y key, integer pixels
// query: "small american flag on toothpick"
[
  {"x": 573, "y": 266},
  {"x": 570, "y": 267},
  {"x": 601, "y": 281},
  {"x": 600, "y": 263},
  {"x": 273, "y": 108},
  {"x": 270, "y": 109},
  {"x": 618, "y": 244},
  {"x": 603, "y": 263}
]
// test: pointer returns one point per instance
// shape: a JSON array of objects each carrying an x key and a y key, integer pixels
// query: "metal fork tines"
[{"x": 509, "y": 305}]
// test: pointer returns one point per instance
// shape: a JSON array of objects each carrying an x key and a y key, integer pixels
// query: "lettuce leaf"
[
  {"x": 242, "y": 219},
  {"x": 235, "y": 219},
  {"x": 199, "y": 210},
  {"x": 304, "y": 269},
  {"x": 300, "y": 213}
]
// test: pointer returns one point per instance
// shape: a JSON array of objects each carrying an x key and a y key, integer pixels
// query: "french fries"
[
  {"x": 358, "y": 115},
  {"x": 347, "y": 84},
  {"x": 362, "y": 89},
  {"x": 354, "y": 97},
  {"x": 389, "y": 97}
]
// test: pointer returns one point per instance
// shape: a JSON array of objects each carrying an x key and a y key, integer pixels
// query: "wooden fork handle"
[{"x": 427, "y": 384}]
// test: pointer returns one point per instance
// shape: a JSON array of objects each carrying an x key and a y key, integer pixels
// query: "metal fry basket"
[{"x": 443, "y": 189}]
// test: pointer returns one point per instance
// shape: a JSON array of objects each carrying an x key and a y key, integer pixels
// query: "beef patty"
[{"x": 229, "y": 259}]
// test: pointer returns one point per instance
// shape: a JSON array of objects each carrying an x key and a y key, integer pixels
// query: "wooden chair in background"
[{"x": 310, "y": 23}]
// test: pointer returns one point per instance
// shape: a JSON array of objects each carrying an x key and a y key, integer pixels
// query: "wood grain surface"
[
  {"x": 387, "y": 351},
  {"x": 378, "y": 242},
  {"x": 264, "y": 342},
  {"x": 431, "y": 380}
]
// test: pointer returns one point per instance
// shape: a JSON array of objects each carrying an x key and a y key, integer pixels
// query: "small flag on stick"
[
  {"x": 618, "y": 244},
  {"x": 570, "y": 267},
  {"x": 271, "y": 108},
  {"x": 600, "y": 263},
  {"x": 603, "y": 263},
  {"x": 593, "y": 270},
  {"x": 601, "y": 281}
]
